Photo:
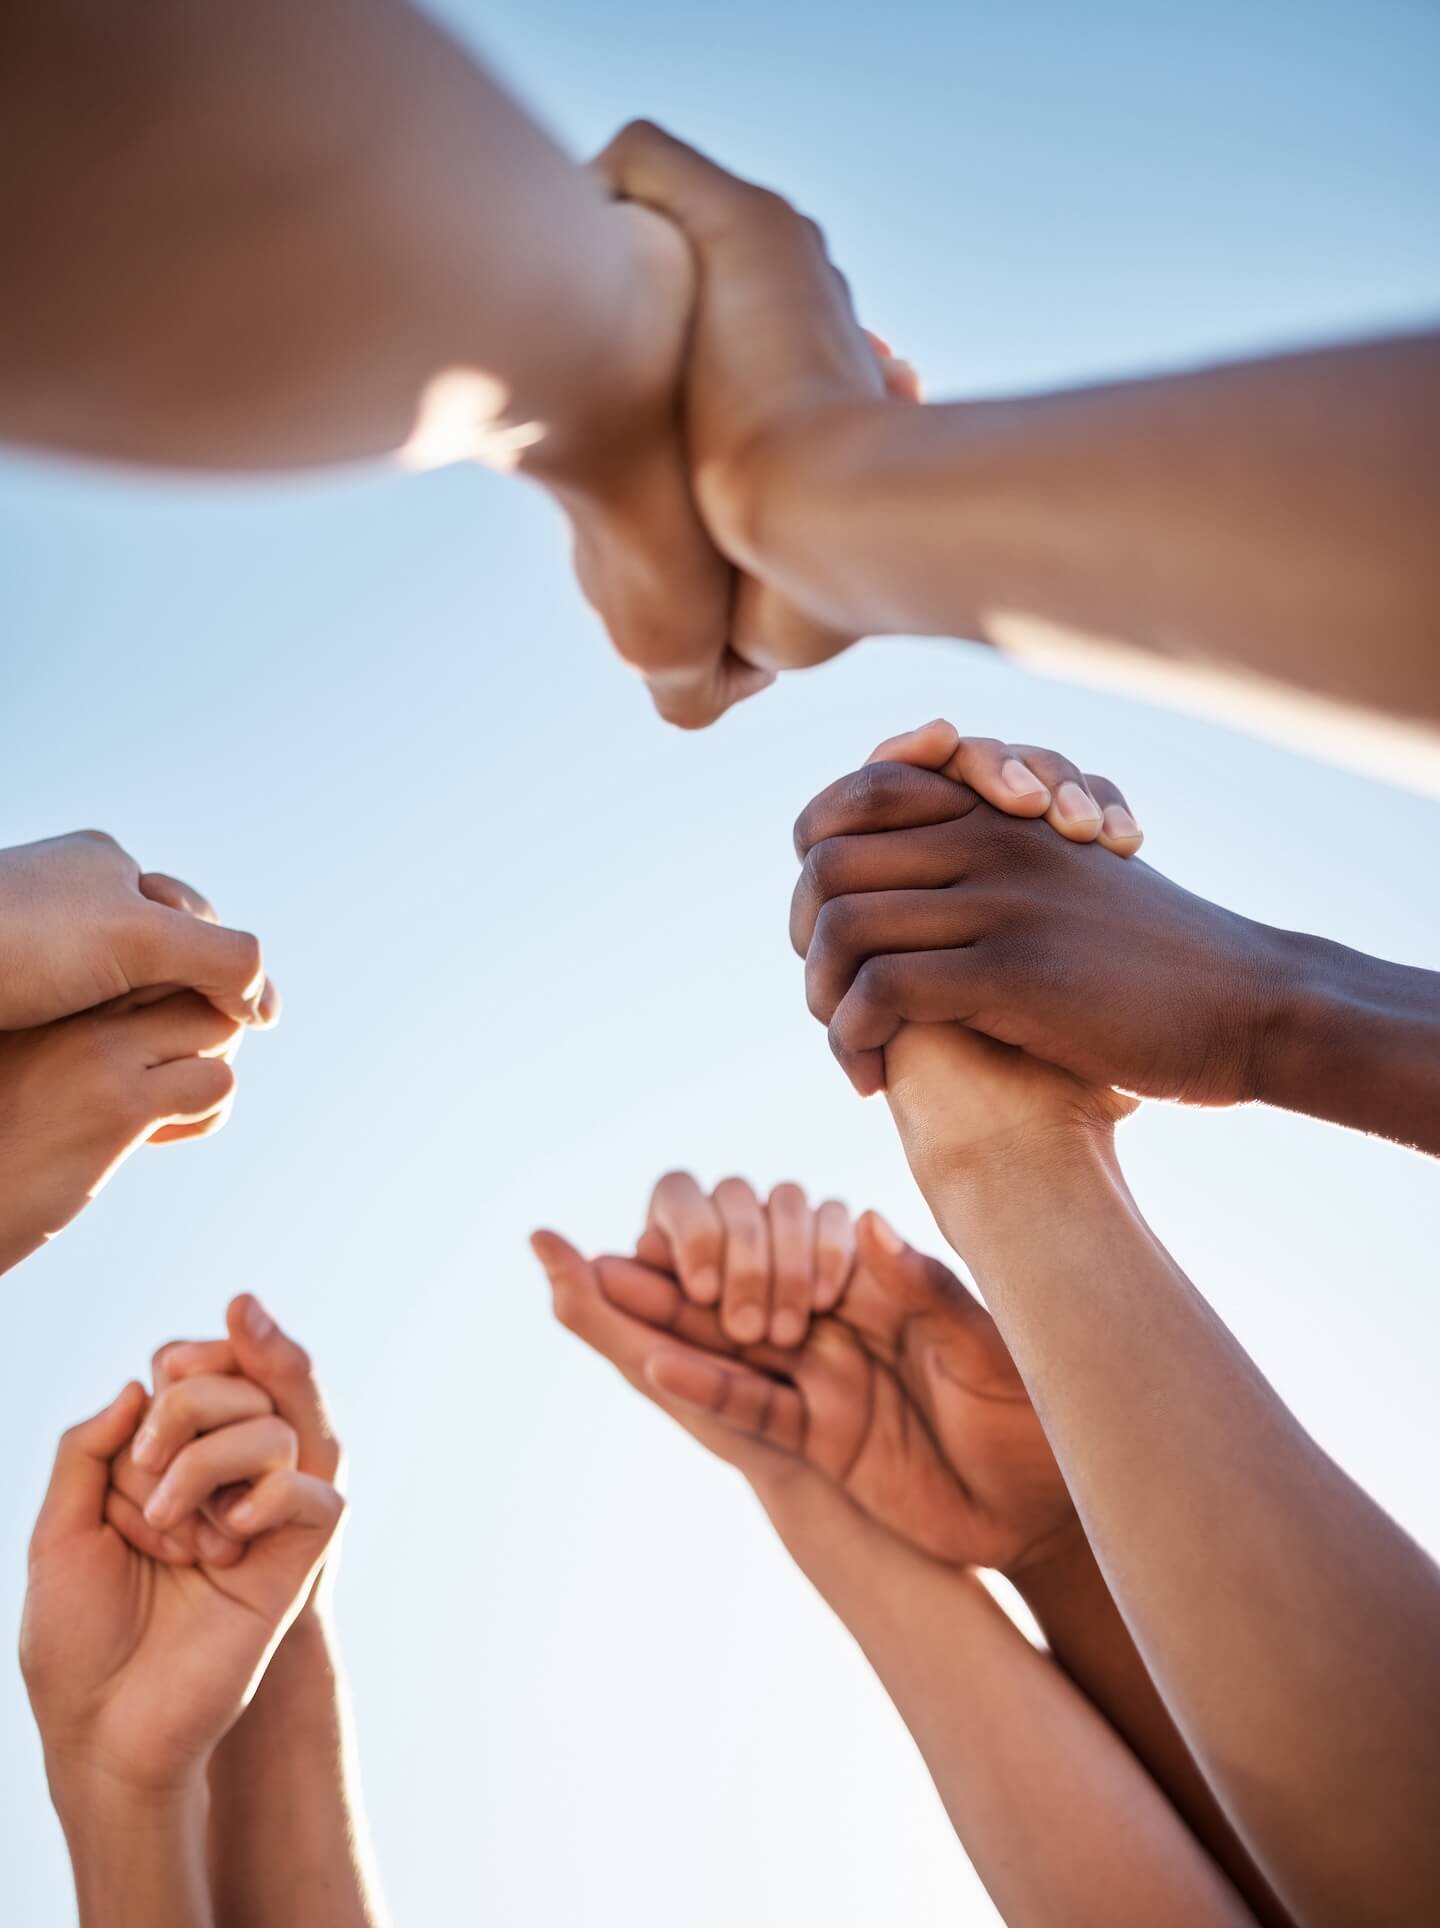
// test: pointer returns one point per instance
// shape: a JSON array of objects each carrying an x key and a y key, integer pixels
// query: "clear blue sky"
[{"x": 534, "y": 947}]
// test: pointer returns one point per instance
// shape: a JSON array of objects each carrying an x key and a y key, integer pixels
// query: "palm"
[
  {"x": 951, "y": 1365},
  {"x": 161, "y": 1652},
  {"x": 907, "y": 1401}
]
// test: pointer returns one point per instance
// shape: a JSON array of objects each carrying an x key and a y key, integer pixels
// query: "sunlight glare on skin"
[
  {"x": 1373, "y": 745},
  {"x": 460, "y": 420}
]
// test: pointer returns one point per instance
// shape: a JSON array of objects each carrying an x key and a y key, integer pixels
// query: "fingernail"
[
  {"x": 787, "y": 1328},
  {"x": 747, "y": 1324},
  {"x": 258, "y": 1322},
  {"x": 160, "y": 1508},
  {"x": 705, "y": 1285},
  {"x": 1119, "y": 823},
  {"x": 146, "y": 1449},
  {"x": 886, "y": 1237},
  {"x": 242, "y": 1513},
  {"x": 1075, "y": 805},
  {"x": 1020, "y": 781}
]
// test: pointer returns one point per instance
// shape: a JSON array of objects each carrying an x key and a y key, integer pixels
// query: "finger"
[
  {"x": 902, "y": 380},
  {"x": 285, "y": 1498},
  {"x": 745, "y": 1281},
  {"x": 925, "y": 859},
  {"x": 929, "y": 746},
  {"x": 269, "y": 1356},
  {"x": 1073, "y": 809},
  {"x": 170, "y": 1549},
  {"x": 187, "y": 1092},
  {"x": 775, "y": 634},
  {"x": 748, "y": 1402},
  {"x": 202, "y": 1128},
  {"x": 1000, "y": 773},
  {"x": 643, "y": 163},
  {"x": 916, "y": 1281},
  {"x": 182, "y": 1025},
  {"x": 584, "y": 1309},
  {"x": 1119, "y": 832},
  {"x": 834, "y": 1253},
  {"x": 245, "y": 1451},
  {"x": 694, "y": 696},
  {"x": 691, "y": 1226},
  {"x": 654, "y": 1298},
  {"x": 167, "y": 946},
  {"x": 132, "y": 1483},
  {"x": 192, "y": 1406},
  {"x": 880, "y": 796},
  {"x": 185, "y": 1358},
  {"x": 851, "y": 930},
  {"x": 927, "y": 987},
  {"x": 169, "y": 891},
  {"x": 792, "y": 1263},
  {"x": 74, "y": 1501}
]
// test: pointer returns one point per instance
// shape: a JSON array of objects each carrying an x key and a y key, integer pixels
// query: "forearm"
[
  {"x": 138, "y": 1859},
  {"x": 1355, "y": 1040},
  {"x": 1272, "y": 517},
  {"x": 1288, "y": 1624},
  {"x": 1038, "y": 1787},
  {"x": 252, "y": 235},
  {"x": 1085, "y": 1633},
  {"x": 288, "y": 1839}
]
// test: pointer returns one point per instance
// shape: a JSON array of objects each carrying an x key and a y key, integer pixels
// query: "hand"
[
  {"x": 137, "y": 1668},
  {"x": 81, "y": 924},
  {"x": 671, "y": 602},
  {"x": 958, "y": 914},
  {"x": 1023, "y": 780},
  {"x": 77, "y": 1097},
  {"x": 772, "y": 333},
  {"x": 766, "y": 1266},
  {"x": 905, "y": 1400},
  {"x": 199, "y": 1385}
]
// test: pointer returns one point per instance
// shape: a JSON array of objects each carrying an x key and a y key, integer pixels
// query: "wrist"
[
  {"x": 1348, "y": 1038},
  {"x": 137, "y": 1851}
]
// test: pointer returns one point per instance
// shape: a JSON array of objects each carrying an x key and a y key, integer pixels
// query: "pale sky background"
[{"x": 533, "y": 947}]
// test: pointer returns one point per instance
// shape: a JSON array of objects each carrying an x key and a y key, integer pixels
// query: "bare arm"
[
  {"x": 138, "y": 1858},
  {"x": 1060, "y": 1820},
  {"x": 1274, "y": 518},
  {"x": 1289, "y": 1625},
  {"x": 1038, "y": 1787},
  {"x": 257, "y": 235},
  {"x": 288, "y": 1838}
]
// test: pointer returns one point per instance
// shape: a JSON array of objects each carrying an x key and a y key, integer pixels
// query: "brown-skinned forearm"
[
  {"x": 1274, "y": 517},
  {"x": 1083, "y": 1629},
  {"x": 287, "y": 1837},
  {"x": 1356, "y": 1040},
  {"x": 1037, "y": 1785},
  {"x": 250, "y": 235},
  {"x": 1288, "y": 1623}
]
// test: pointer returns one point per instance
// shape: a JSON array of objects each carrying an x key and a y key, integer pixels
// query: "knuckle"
[{"x": 824, "y": 867}]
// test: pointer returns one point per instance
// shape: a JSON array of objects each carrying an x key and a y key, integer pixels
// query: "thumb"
[
  {"x": 74, "y": 1502},
  {"x": 274, "y": 1361},
  {"x": 929, "y": 748},
  {"x": 914, "y": 1279},
  {"x": 168, "y": 946}
]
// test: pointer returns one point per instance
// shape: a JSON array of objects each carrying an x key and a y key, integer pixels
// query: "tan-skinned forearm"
[
  {"x": 250, "y": 235},
  {"x": 1084, "y": 1630},
  {"x": 1289, "y": 1625},
  {"x": 1039, "y": 1789},
  {"x": 138, "y": 1855},
  {"x": 1275, "y": 517},
  {"x": 288, "y": 1839}
]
